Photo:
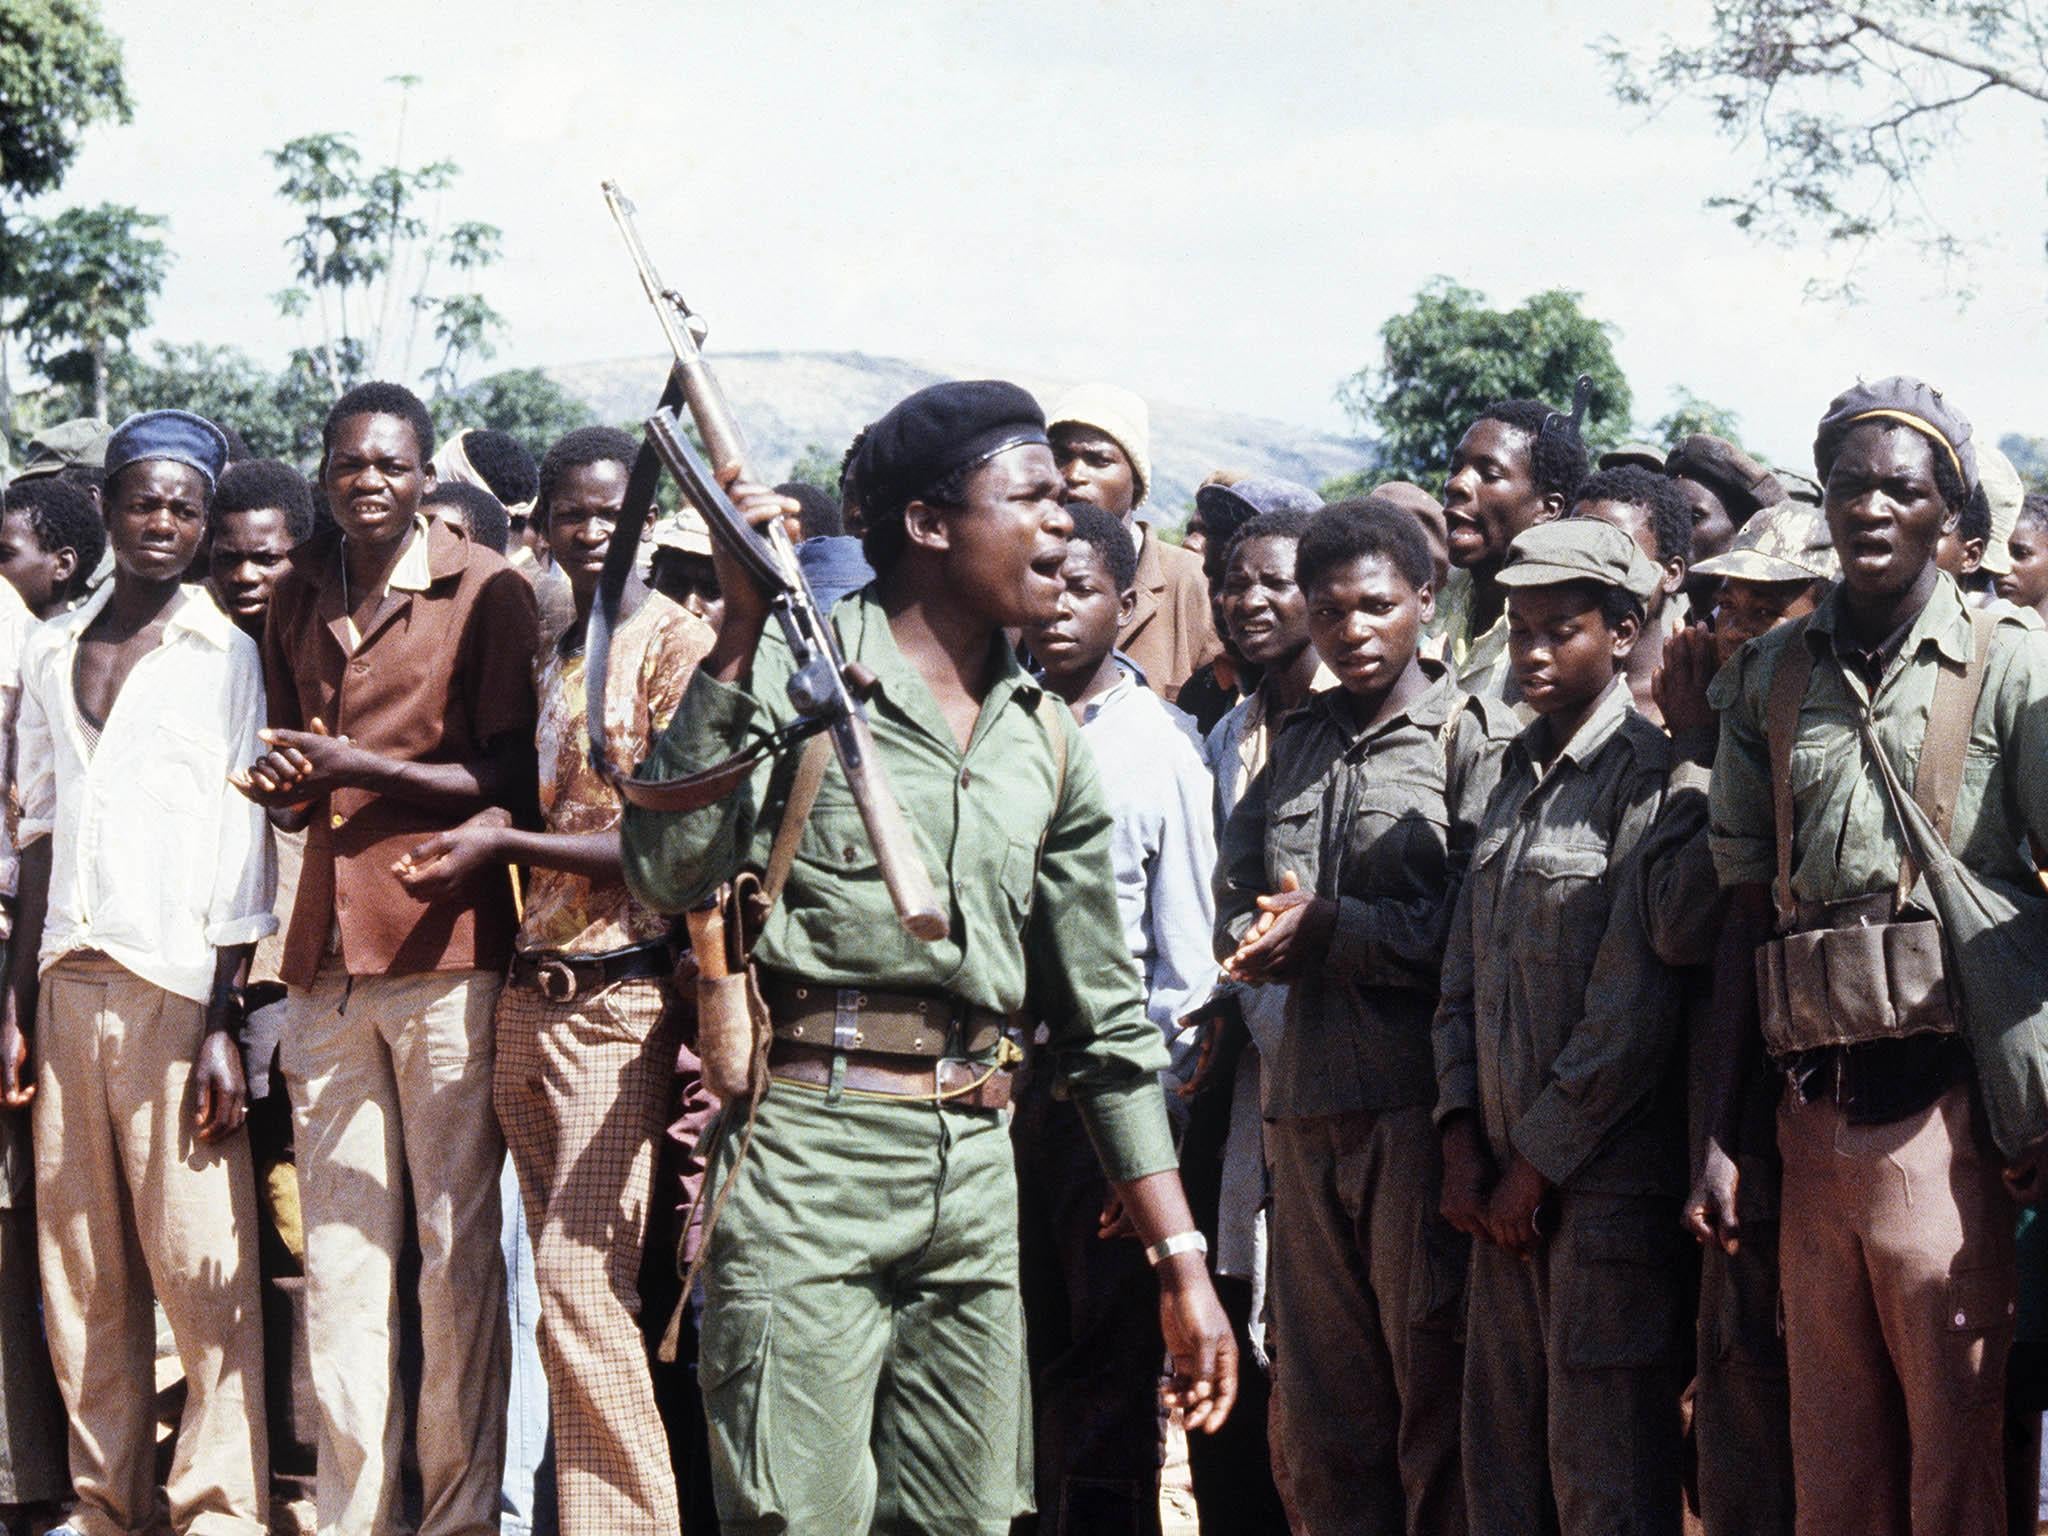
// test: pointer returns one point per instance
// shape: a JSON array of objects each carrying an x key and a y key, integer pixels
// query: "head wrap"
[
  {"x": 452, "y": 463},
  {"x": 177, "y": 436},
  {"x": 1909, "y": 403},
  {"x": 1118, "y": 415}
]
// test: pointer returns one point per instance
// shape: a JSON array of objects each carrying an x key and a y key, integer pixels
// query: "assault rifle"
[{"x": 826, "y": 691}]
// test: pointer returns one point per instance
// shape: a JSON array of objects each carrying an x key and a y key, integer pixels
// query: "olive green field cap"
[
  {"x": 1643, "y": 455},
  {"x": 1579, "y": 549},
  {"x": 80, "y": 441},
  {"x": 1788, "y": 542},
  {"x": 684, "y": 531}
]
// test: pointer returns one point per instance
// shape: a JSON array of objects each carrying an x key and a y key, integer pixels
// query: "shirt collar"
[
  {"x": 1945, "y": 621},
  {"x": 1428, "y": 710},
  {"x": 436, "y": 553},
  {"x": 196, "y": 614},
  {"x": 865, "y": 635},
  {"x": 1128, "y": 681},
  {"x": 1609, "y": 711}
]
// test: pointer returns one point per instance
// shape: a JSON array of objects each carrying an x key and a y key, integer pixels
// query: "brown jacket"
[
  {"x": 1171, "y": 633},
  {"x": 442, "y": 673}
]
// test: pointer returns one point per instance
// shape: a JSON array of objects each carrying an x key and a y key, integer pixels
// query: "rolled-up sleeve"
[{"x": 243, "y": 905}]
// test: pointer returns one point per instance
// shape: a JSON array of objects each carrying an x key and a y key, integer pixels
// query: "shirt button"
[
  {"x": 335, "y": 821},
  {"x": 1960, "y": 1320},
  {"x": 359, "y": 667},
  {"x": 966, "y": 777}
]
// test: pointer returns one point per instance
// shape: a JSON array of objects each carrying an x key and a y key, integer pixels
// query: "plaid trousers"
[{"x": 582, "y": 1092}]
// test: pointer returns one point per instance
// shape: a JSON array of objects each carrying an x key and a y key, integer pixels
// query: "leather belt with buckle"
[
  {"x": 876, "y": 1021},
  {"x": 954, "y": 1083},
  {"x": 564, "y": 978}
]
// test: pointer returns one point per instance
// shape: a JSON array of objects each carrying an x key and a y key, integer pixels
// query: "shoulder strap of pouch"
[
  {"x": 1781, "y": 727},
  {"x": 1938, "y": 777}
]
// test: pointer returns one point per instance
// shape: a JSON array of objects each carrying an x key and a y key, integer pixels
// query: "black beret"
[
  {"x": 1908, "y": 403},
  {"x": 940, "y": 429},
  {"x": 1744, "y": 486}
]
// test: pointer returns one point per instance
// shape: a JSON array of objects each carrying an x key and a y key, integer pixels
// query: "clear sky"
[{"x": 1216, "y": 202}]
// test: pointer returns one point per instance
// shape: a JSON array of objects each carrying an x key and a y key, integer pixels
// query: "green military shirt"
[
  {"x": 1381, "y": 821},
  {"x": 979, "y": 818},
  {"x": 1845, "y": 842},
  {"x": 1558, "y": 1023},
  {"x": 1478, "y": 662}
]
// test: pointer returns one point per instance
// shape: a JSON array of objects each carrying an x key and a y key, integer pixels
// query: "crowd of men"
[{"x": 1376, "y": 934}]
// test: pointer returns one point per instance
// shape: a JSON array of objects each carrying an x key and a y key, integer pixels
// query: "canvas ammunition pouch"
[{"x": 1872, "y": 967}]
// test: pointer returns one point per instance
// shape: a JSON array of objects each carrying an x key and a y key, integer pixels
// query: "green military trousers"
[
  {"x": 1572, "y": 1375},
  {"x": 862, "y": 1349}
]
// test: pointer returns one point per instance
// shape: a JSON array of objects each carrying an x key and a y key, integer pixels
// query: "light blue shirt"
[{"x": 1163, "y": 845}]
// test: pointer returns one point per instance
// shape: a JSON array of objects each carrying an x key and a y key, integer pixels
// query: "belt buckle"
[
  {"x": 556, "y": 980},
  {"x": 847, "y": 1034}
]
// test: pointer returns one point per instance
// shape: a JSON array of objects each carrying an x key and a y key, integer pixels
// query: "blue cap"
[{"x": 179, "y": 436}]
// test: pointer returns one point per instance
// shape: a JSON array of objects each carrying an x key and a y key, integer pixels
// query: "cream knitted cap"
[{"x": 1116, "y": 413}]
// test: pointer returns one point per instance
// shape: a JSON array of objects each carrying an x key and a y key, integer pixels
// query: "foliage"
[
  {"x": 2029, "y": 456},
  {"x": 818, "y": 465},
  {"x": 1450, "y": 356},
  {"x": 522, "y": 401},
  {"x": 1845, "y": 109},
  {"x": 87, "y": 277},
  {"x": 60, "y": 72},
  {"x": 1356, "y": 482},
  {"x": 1690, "y": 414},
  {"x": 366, "y": 262}
]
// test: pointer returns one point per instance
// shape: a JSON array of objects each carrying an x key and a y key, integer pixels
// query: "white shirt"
[
  {"x": 15, "y": 623},
  {"x": 156, "y": 860}
]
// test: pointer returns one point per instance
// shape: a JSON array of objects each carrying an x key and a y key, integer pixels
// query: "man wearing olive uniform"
[{"x": 862, "y": 1346}]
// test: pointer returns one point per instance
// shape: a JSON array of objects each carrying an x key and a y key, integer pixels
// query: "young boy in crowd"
[
  {"x": 1507, "y": 474},
  {"x": 1563, "y": 1143},
  {"x": 1090, "y": 1303},
  {"x": 261, "y": 513},
  {"x": 51, "y": 541},
  {"x": 33, "y": 1481},
  {"x": 1360, "y": 825},
  {"x": 1648, "y": 508},
  {"x": 145, "y": 882},
  {"x": 400, "y": 661},
  {"x": 2026, "y": 584},
  {"x": 1776, "y": 567},
  {"x": 587, "y": 1034}
]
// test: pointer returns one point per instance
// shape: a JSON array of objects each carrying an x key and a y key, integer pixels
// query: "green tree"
[
  {"x": 277, "y": 414},
  {"x": 1449, "y": 356},
  {"x": 818, "y": 465},
  {"x": 87, "y": 278},
  {"x": 522, "y": 401},
  {"x": 1690, "y": 414},
  {"x": 1354, "y": 482},
  {"x": 1843, "y": 110},
  {"x": 60, "y": 72},
  {"x": 367, "y": 249}
]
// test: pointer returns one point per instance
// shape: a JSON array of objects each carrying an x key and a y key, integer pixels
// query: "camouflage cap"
[
  {"x": 1798, "y": 487},
  {"x": 2004, "y": 491},
  {"x": 1744, "y": 486},
  {"x": 1644, "y": 455},
  {"x": 80, "y": 441},
  {"x": 1579, "y": 549},
  {"x": 684, "y": 531},
  {"x": 1788, "y": 542}
]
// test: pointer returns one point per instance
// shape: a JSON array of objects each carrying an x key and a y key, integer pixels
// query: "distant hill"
[{"x": 788, "y": 401}]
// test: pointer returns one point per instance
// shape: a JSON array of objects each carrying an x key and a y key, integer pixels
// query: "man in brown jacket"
[{"x": 1101, "y": 436}]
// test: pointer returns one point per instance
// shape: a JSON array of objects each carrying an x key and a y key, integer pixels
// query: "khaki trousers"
[
  {"x": 1572, "y": 1375},
  {"x": 582, "y": 1091},
  {"x": 1897, "y": 1268},
  {"x": 1368, "y": 1292},
  {"x": 391, "y": 1077},
  {"x": 131, "y": 1203}
]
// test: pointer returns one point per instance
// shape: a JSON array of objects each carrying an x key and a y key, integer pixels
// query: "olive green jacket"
[
  {"x": 1559, "y": 1024},
  {"x": 1380, "y": 821},
  {"x": 980, "y": 819}
]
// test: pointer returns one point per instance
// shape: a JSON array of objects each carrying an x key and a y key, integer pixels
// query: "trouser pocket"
[
  {"x": 733, "y": 1351},
  {"x": 1617, "y": 1297}
]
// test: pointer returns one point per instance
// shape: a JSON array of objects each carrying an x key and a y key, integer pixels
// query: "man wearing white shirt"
[{"x": 146, "y": 879}]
